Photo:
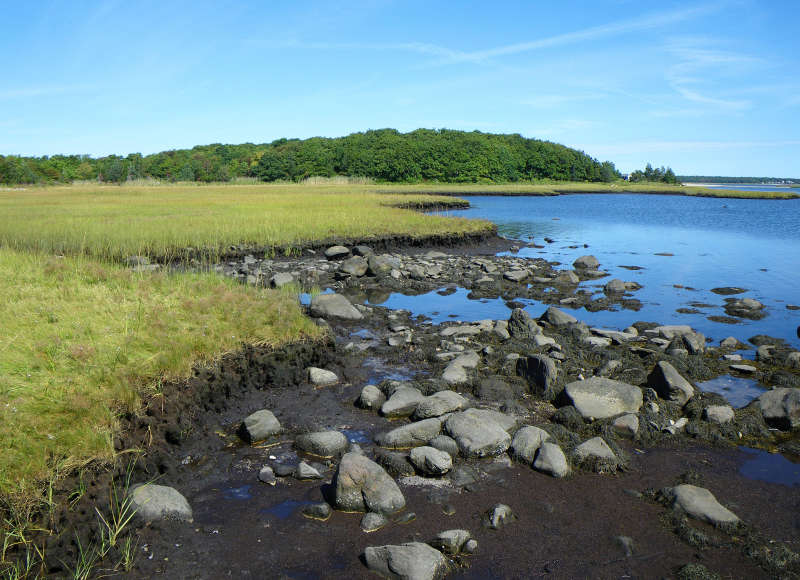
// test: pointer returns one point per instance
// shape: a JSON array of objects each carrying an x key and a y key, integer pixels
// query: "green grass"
[
  {"x": 558, "y": 188},
  {"x": 171, "y": 222},
  {"x": 81, "y": 340}
]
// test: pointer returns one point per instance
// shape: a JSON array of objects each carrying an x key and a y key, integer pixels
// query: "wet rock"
[
  {"x": 701, "y": 504},
  {"x": 305, "y": 471},
  {"x": 382, "y": 265},
  {"x": 411, "y": 435},
  {"x": 744, "y": 369},
  {"x": 588, "y": 262},
  {"x": 615, "y": 286},
  {"x": 337, "y": 252},
  {"x": 323, "y": 443},
  {"x": 394, "y": 463},
  {"x": 627, "y": 425},
  {"x": 451, "y": 541},
  {"x": 601, "y": 398},
  {"x": 372, "y": 522},
  {"x": 402, "y": 403},
  {"x": 259, "y": 425},
  {"x": 551, "y": 460},
  {"x": 521, "y": 326},
  {"x": 439, "y": 404},
  {"x": 516, "y": 275},
  {"x": 371, "y": 397},
  {"x": 731, "y": 342},
  {"x": 321, "y": 377},
  {"x": 566, "y": 277},
  {"x": 556, "y": 317},
  {"x": 362, "y": 485},
  {"x": 333, "y": 306},
  {"x": 405, "y": 518},
  {"x": 781, "y": 408},
  {"x": 597, "y": 455},
  {"x": 719, "y": 414},
  {"x": 669, "y": 384},
  {"x": 280, "y": 280},
  {"x": 266, "y": 475},
  {"x": 318, "y": 511},
  {"x": 744, "y": 308},
  {"x": 670, "y": 331},
  {"x": 446, "y": 444},
  {"x": 541, "y": 372},
  {"x": 411, "y": 561},
  {"x": 355, "y": 266},
  {"x": 728, "y": 290},
  {"x": 500, "y": 515},
  {"x": 527, "y": 442},
  {"x": 431, "y": 461},
  {"x": 477, "y": 435},
  {"x": 159, "y": 502}
]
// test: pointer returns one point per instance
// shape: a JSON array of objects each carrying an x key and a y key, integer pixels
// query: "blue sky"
[{"x": 704, "y": 87}]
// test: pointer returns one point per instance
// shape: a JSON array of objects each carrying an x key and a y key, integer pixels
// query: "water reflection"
[{"x": 771, "y": 467}]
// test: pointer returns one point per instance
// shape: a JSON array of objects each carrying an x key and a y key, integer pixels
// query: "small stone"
[
  {"x": 305, "y": 471},
  {"x": 451, "y": 541},
  {"x": 470, "y": 547},
  {"x": 431, "y": 461},
  {"x": 405, "y": 518},
  {"x": 701, "y": 504},
  {"x": 159, "y": 502},
  {"x": 627, "y": 424},
  {"x": 259, "y": 426},
  {"x": 551, "y": 460},
  {"x": 499, "y": 516},
  {"x": 323, "y": 443},
  {"x": 337, "y": 252},
  {"x": 360, "y": 484},
  {"x": 280, "y": 280},
  {"x": 317, "y": 511},
  {"x": 719, "y": 414},
  {"x": 446, "y": 444},
  {"x": 321, "y": 377},
  {"x": 372, "y": 522},
  {"x": 333, "y": 306},
  {"x": 267, "y": 475},
  {"x": 402, "y": 403},
  {"x": 669, "y": 384}
]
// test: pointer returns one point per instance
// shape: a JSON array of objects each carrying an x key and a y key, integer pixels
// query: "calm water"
[
  {"x": 753, "y": 187},
  {"x": 753, "y": 244}
]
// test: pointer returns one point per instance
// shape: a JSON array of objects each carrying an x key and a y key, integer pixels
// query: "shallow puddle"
[
  {"x": 238, "y": 493},
  {"x": 357, "y": 436},
  {"x": 738, "y": 391},
  {"x": 284, "y": 509},
  {"x": 770, "y": 467}
]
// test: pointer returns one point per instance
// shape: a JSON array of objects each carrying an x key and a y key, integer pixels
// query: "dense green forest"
[
  {"x": 383, "y": 155},
  {"x": 654, "y": 175},
  {"x": 721, "y": 179}
]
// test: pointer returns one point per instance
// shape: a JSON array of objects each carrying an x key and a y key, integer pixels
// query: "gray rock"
[
  {"x": 694, "y": 343},
  {"x": 626, "y": 543},
  {"x": 372, "y": 522},
  {"x": 610, "y": 368},
  {"x": 280, "y": 280},
  {"x": 470, "y": 546},
  {"x": 567, "y": 277},
  {"x": 402, "y": 403},
  {"x": 321, "y": 377},
  {"x": 382, "y": 265},
  {"x": 601, "y": 398},
  {"x": 719, "y": 414},
  {"x": 501, "y": 330},
  {"x": 516, "y": 275},
  {"x": 597, "y": 455},
  {"x": 159, "y": 502},
  {"x": 396, "y": 464},
  {"x": 259, "y": 425},
  {"x": 477, "y": 436},
  {"x": 318, "y": 511},
  {"x": 451, "y": 541},
  {"x": 355, "y": 266},
  {"x": 337, "y": 252},
  {"x": 371, "y": 398},
  {"x": 439, "y": 404},
  {"x": 746, "y": 369},
  {"x": 627, "y": 425},
  {"x": 333, "y": 306},
  {"x": 411, "y": 435},
  {"x": 527, "y": 442},
  {"x": 305, "y": 471},
  {"x": 701, "y": 504},
  {"x": 456, "y": 372},
  {"x": 730, "y": 342},
  {"x": 323, "y": 443},
  {"x": 551, "y": 460},
  {"x": 411, "y": 561},
  {"x": 266, "y": 475},
  {"x": 586, "y": 262},
  {"x": 521, "y": 326},
  {"x": 615, "y": 286},
  {"x": 670, "y": 331},
  {"x": 540, "y": 372},
  {"x": 499, "y": 516},
  {"x": 669, "y": 384},
  {"x": 556, "y": 317},
  {"x": 431, "y": 461},
  {"x": 507, "y": 422},
  {"x": 364, "y": 251},
  {"x": 781, "y": 408},
  {"x": 446, "y": 444},
  {"x": 360, "y": 485}
]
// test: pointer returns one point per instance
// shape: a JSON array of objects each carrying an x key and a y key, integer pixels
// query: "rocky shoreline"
[{"x": 522, "y": 447}]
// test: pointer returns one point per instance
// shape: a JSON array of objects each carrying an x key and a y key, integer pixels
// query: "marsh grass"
[
  {"x": 166, "y": 223},
  {"x": 82, "y": 340},
  {"x": 560, "y": 188}
]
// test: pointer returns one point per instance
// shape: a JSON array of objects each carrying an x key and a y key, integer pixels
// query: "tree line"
[
  {"x": 385, "y": 155},
  {"x": 654, "y": 174}
]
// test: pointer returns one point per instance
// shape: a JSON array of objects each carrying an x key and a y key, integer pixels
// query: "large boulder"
[
  {"x": 411, "y": 561},
  {"x": 439, "y": 404},
  {"x": 556, "y": 317},
  {"x": 411, "y": 435},
  {"x": 701, "y": 504},
  {"x": 781, "y": 408},
  {"x": 333, "y": 306},
  {"x": 669, "y": 384},
  {"x": 601, "y": 398},
  {"x": 527, "y": 442},
  {"x": 259, "y": 425},
  {"x": 360, "y": 485},
  {"x": 477, "y": 435},
  {"x": 158, "y": 502},
  {"x": 323, "y": 443},
  {"x": 540, "y": 371}
]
